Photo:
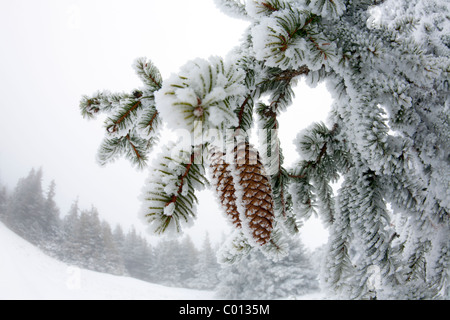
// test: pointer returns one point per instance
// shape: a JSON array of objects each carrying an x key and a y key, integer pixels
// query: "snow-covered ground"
[{"x": 28, "y": 274}]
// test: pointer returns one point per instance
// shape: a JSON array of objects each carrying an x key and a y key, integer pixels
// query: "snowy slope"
[{"x": 27, "y": 273}]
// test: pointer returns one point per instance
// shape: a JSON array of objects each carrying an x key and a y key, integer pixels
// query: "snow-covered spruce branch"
[
  {"x": 132, "y": 123},
  {"x": 278, "y": 84},
  {"x": 169, "y": 200},
  {"x": 148, "y": 73},
  {"x": 182, "y": 181},
  {"x": 322, "y": 160},
  {"x": 234, "y": 8}
]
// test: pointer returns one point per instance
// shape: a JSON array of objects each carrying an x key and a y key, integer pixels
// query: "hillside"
[{"x": 28, "y": 274}]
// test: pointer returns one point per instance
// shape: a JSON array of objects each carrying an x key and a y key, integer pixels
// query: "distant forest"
[{"x": 82, "y": 239}]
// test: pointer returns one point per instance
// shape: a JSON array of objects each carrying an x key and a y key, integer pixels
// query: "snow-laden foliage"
[
  {"x": 132, "y": 121},
  {"x": 387, "y": 65},
  {"x": 290, "y": 39},
  {"x": 201, "y": 96},
  {"x": 169, "y": 198},
  {"x": 255, "y": 277},
  {"x": 234, "y": 8}
]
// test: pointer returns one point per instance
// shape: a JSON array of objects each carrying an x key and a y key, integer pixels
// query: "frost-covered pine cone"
[
  {"x": 225, "y": 186},
  {"x": 244, "y": 191},
  {"x": 254, "y": 192}
]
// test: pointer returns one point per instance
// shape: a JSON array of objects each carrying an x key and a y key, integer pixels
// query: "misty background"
[{"x": 55, "y": 51}]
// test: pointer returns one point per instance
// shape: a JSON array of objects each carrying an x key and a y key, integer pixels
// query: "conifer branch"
[
  {"x": 136, "y": 152},
  {"x": 269, "y": 6},
  {"x": 288, "y": 75},
  {"x": 235, "y": 8},
  {"x": 323, "y": 151},
  {"x": 301, "y": 176},
  {"x": 116, "y": 123},
  {"x": 181, "y": 180},
  {"x": 241, "y": 111},
  {"x": 150, "y": 124},
  {"x": 148, "y": 73}
]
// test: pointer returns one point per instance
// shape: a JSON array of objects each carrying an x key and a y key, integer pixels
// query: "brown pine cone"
[
  {"x": 225, "y": 186},
  {"x": 256, "y": 192}
]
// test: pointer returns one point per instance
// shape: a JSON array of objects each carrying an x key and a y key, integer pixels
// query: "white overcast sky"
[{"x": 55, "y": 51}]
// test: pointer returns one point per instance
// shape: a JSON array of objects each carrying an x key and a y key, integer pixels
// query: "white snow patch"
[{"x": 28, "y": 274}]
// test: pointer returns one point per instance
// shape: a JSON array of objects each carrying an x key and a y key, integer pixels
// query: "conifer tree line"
[
  {"x": 80, "y": 238},
  {"x": 387, "y": 65}
]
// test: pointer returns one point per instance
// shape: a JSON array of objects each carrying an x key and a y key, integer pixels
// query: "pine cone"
[
  {"x": 225, "y": 186},
  {"x": 256, "y": 192}
]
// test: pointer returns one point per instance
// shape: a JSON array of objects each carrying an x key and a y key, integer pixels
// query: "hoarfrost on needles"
[{"x": 202, "y": 94}]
